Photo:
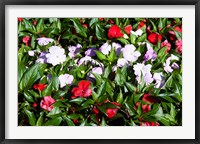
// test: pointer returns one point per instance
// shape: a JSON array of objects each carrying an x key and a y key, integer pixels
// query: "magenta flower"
[{"x": 47, "y": 102}]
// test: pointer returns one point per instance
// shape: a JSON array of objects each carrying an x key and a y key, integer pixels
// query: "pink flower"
[
  {"x": 26, "y": 40},
  {"x": 47, "y": 102},
  {"x": 150, "y": 124},
  {"x": 166, "y": 43},
  {"x": 179, "y": 46}
]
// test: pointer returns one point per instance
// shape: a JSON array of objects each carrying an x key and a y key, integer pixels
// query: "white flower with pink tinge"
[
  {"x": 130, "y": 53},
  {"x": 56, "y": 55},
  {"x": 44, "y": 41},
  {"x": 65, "y": 79}
]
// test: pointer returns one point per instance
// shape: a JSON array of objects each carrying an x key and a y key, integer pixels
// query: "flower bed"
[{"x": 100, "y": 71}]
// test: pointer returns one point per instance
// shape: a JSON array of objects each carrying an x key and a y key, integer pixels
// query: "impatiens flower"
[
  {"x": 74, "y": 50},
  {"x": 34, "y": 104},
  {"x": 111, "y": 112},
  {"x": 115, "y": 32},
  {"x": 20, "y": 19},
  {"x": 130, "y": 53},
  {"x": 90, "y": 52},
  {"x": 56, "y": 55},
  {"x": 172, "y": 33},
  {"x": 137, "y": 33},
  {"x": 26, "y": 40},
  {"x": 42, "y": 58},
  {"x": 149, "y": 98},
  {"x": 128, "y": 29},
  {"x": 65, "y": 79},
  {"x": 117, "y": 48},
  {"x": 167, "y": 65},
  {"x": 101, "y": 19},
  {"x": 141, "y": 24},
  {"x": 47, "y": 102},
  {"x": 83, "y": 89},
  {"x": 105, "y": 48},
  {"x": 85, "y": 25},
  {"x": 84, "y": 60},
  {"x": 40, "y": 86},
  {"x": 154, "y": 38},
  {"x": 179, "y": 46},
  {"x": 34, "y": 22},
  {"x": 44, "y": 41},
  {"x": 143, "y": 70},
  {"x": 150, "y": 54},
  {"x": 121, "y": 62},
  {"x": 96, "y": 70},
  {"x": 145, "y": 107},
  {"x": 159, "y": 78},
  {"x": 150, "y": 124},
  {"x": 95, "y": 110},
  {"x": 166, "y": 43},
  {"x": 31, "y": 53}
]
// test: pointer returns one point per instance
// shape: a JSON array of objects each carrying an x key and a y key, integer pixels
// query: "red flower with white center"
[
  {"x": 128, "y": 29},
  {"x": 83, "y": 89},
  {"x": 115, "y": 32},
  {"x": 40, "y": 86},
  {"x": 166, "y": 43},
  {"x": 34, "y": 104},
  {"x": 47, "y": 102},
  {"x": 20, "y": 19},
  {"x": 149, "y": 98},
  {"x": 26, "y": 39},
  {"x": 179, "y": 46},
  {"x": 154, "y": 38},
  {"x": 111, "y": 112}
]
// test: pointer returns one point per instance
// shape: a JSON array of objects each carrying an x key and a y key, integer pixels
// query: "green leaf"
[
  {"x": 173, "y": 111},
  {"x": 79, "y": 28},
  {"x": 28, "y": 25},
  {"x": 21, "y": 71},
  {"x": 107, "y": 71},
  {"x": 136, "y": 97},
  {"x": 133, "y": 38},
  {"x": 78, "y": 100},
  {"x": 103, "y": 122},
  {"x": 118, "y": 79},
  {"x": 40, "y": 120},
  {"x": 53, "y": 122},
  {"x": 87, "y": 103},
  {"x": 31, "y": 117},
  {"x": 100, "y": 33},
  {"x": 97, "y": 78},
  {"x": 93, "y": 21},
  {"x": 120, "y": 97},
  {"x": 112, "y": 55},
  {"x": 178, "y": 34},
  {"x": 130, "y": 87},
  {"x": 100, "y": 55},
  {"x": 53, "y": 112},
  {"x": 31, "y": 76},
  {"x": 28, "y": 96},
  {"x": 124, "y": 41},
  {"x": 130, "y": 109},
  {"x": 40, "y": 25},
  {"x": 124, "y": 73},
  {"x": 102, "y": 89},
  {"x": 52, "y": 86},
  {"x": 69, "y": 121}
]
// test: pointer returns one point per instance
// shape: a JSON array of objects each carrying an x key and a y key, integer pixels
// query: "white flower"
[
  {"x": 65, "y": 79},
  {"x": 84, "y": 60},
  {"x": 96, "y": 70},
  {"x": 44, "y": 41},
  {"x": 129, "y": 53},
  {"x": 158, "y": 77},
  {"x": 174, "y": 65},
  {"x": 56, "y": 55},
  {"x": 105, "y": 48},
  {"x": 31, "y": 53},
  {"x": 137, "y": 33},
  {"x": 121, "y": 62}
]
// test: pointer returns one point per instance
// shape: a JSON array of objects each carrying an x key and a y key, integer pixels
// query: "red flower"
[
  {"x": 149, "y": 124},
  {"x": 34, "y": 104},
  {"x": 34, "y": 22},
  {"x": 166, "y": 43},
  {"x": 145, "y": 107},
  {"x": 26, "y": 39},
  {"x": 179, "y": 46},
  {"x": 128, "y": 29},
  {"x": 47, "y": 102},
  {"x": 111, "y": 112},
  {"x": 154, "y": 38},
  {"x": 40, "y": 86},
  {"x": 149, "y": 98},
  {"x": 141, "y": 24},
  {"x": 85, "y": 25},
  {"x": 115, "y": 32},
  {"x": 111, "y": 21},
  {"x": 101, "y": 19},
  {"x": 172, "y": 33},
  {"x": 82, "y": 90},
  {"x": 95, "y": 110},
  {"x": 75, "y": 121},
  {"x": 20, "y": 19}
]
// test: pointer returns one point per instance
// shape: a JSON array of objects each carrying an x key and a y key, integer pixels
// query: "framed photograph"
[{"x": 99, "y": 72}]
